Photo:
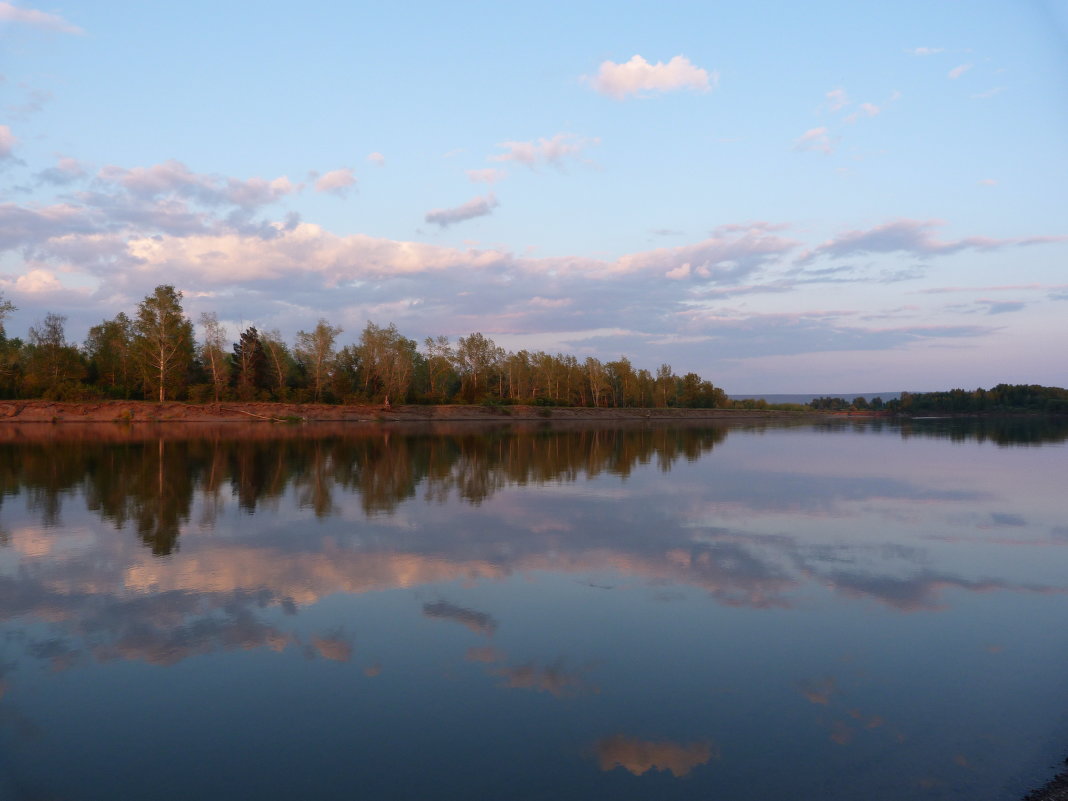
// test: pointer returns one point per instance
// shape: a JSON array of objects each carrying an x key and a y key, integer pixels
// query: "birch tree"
[
  {"x": 316, "y": 350},
  {"x": 163, "y": 341},
  {"x": 213, "y": 352}
]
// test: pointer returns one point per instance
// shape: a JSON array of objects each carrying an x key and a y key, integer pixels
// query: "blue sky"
[{"x": 782, "y": 197}]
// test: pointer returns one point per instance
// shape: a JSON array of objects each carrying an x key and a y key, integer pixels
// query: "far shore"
[{"x": 41, "y": 411}]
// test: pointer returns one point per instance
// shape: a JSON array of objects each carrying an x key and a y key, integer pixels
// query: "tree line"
[
  {"x": 155, "y": 355},
  {"x": 1003, "y": 398}
]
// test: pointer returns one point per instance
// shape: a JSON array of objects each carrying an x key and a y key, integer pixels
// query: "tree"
[
  {"x": 474, "y": 357},
  {"x": 666, "y": 385},
  {"x": 109, "y": 349},
  {"x": 315, "y": 349},
  {"x": 51, "y": 362},
  {"x": 6, "y": 307},
  {"x": 387, "y": 360},
  {"x": 439, "y": 360},
  {"x": 279, "y": 361},
  {"x": 249, "y": 364},
  {"x": 163, "y": 341},
  {"x": 213, "y": 352}
]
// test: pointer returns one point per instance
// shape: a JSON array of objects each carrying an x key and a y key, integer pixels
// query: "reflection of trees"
[
  {"x": 150, "y": 483},
  {"x": 1003, "y": 431}
]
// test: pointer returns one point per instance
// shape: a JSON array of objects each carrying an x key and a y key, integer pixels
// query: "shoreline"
[
  {"x": 1056, "y": 789},
  {"x": 112, "y": 411}
]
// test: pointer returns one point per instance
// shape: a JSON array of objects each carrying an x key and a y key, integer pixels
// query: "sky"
[{"x": 781, "y": 197}]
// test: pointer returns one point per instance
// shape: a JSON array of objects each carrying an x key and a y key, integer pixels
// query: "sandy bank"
[{"x": 33, "y": 411}]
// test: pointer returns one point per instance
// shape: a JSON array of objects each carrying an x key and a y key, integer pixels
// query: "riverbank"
[{"x": 38, "y": 411}]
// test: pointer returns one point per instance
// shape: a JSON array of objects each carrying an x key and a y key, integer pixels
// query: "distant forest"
[
  {"x": 1004, "y": 398},
  {"x": 155, "y": 355}
]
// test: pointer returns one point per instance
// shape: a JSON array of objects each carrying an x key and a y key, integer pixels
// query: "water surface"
[{"x": 833, "y": 611}]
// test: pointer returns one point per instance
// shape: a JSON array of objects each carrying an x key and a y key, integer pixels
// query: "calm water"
[{"x": 815, "y": 611}]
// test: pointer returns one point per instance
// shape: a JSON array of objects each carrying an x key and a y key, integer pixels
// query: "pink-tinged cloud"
[
  {"x": 863, "y": 110},
  {"x": 37, "y": 19},
  {"x": 815, "y": 139},
  {"x": 957, "y": 71},
  {"x": 926, "y": 51},
  {"x": 174, "y": 178},
  {"x": 66, "y": 171},
  {"x": 726, "y": 255},
  {"x": 544, "y": 151},
  {"x": 476, "y": 207},
  {"x": 837, "y": 99},
  {"x": 336, "y": 182},
  {"x": 638, "y": 76},
  {"x": 915, "y": 237},
  {"x": 37, "y": 281},
  {"x": 489, "y": 175},
  {"x": 8, "y": 141},
  {"x": 377, "y": 159}
]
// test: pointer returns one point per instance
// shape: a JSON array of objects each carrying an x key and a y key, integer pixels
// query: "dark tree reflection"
[{"x": 150, "y": 479}]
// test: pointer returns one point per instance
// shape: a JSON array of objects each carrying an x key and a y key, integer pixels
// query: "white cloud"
[
  {"x": 639, "y": 76},
  {"x": 926, "y": 51},
  {"x": 38, "y": 19},
  {"x": 988, "y": 182},
  {"x": 486, "y": 176},
  {"x": 476, "y": 207},
  {"x": 957, "y": 71},
  {"x": 544, "y": 151},
  {"x": 8, "y": 141},
  {"x": 377, "y": 159},
  {"x": 815, "y": 139},
  {"x": 837, "y": 99},
  {"x": 336, "y": 182}
]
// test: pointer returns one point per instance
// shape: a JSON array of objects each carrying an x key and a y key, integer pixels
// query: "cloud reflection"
[
  {"x": 478, "y": 622},
  {"x": 641, "y": 756}
]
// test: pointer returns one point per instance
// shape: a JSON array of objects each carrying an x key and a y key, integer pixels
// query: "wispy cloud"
[
  {"x": 377, "y": 159},
  {"x": 336, "y": 182},
  {"x": 959, "y": 70},
  {"x": 544, "y": 151},
  {"x": 37, "y": 19},
  {"x": 8, "y": 141},
  {"x": 489, "y": 175},
  {"x": 837, "y": 99},
  {"x": 174, "y": 178},
  {"x": 926, "y": 51},
  {"x": 915, "y": 237},
  {"x": 66, "y": 171},
  {"x": 638, "y": 76},
  {"x": 1001, "y": 306},
  {"x": 863, "y": 110},
  {"x": 476, "y": 207},
  {"x": 817, "y": 139}
]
